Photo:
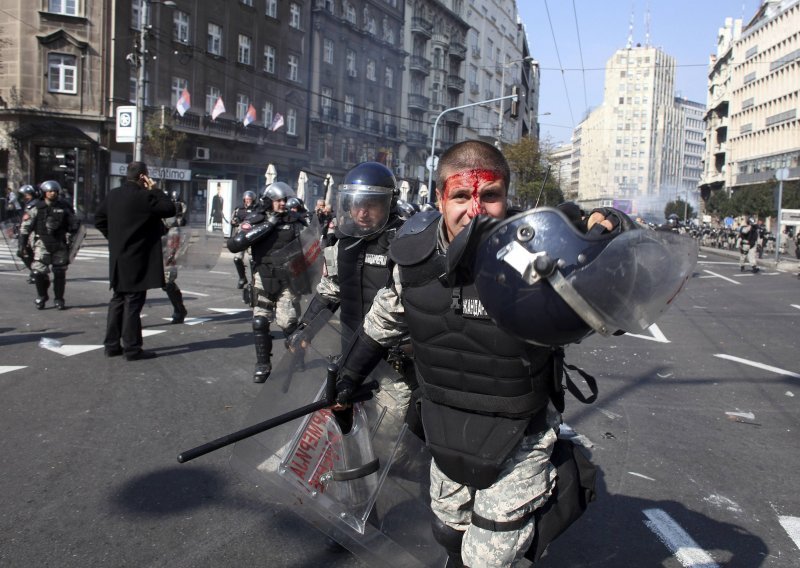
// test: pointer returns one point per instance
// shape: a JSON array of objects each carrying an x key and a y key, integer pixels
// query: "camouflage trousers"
[
  {"x": 525, "y": 483},
  {"x": 282, "y": 309},
  {"x": 170, "y": 274},
  {"x": 750, "y": 256},
  {"x": 43, "y": 259}
]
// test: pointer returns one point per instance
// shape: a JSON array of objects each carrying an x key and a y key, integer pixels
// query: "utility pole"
[{"x": 141, "y": 59}]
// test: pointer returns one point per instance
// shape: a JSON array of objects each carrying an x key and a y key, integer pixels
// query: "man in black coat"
[{"x": 130, "y": 218}]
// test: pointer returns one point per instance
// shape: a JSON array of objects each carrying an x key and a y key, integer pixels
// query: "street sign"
[
  {"x": 126, "y": 124},
  {"x": 432, "y": 162},
  {"x": 790, "y": 216},
  {"x": 782, "y": 174}
]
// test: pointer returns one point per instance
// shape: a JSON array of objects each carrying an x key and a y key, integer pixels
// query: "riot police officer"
[
  {"x": 748, "y": 245},
  {"x": 174, "y": 294},
  {"x": 52, "y": 224},
  {"x": 249, "y": 205},
  {"x": 28, "y": 196},
  {"x": 273, "y": 239}
]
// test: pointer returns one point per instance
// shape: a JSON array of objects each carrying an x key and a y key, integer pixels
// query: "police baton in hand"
[{"x": 328, "y": 399}]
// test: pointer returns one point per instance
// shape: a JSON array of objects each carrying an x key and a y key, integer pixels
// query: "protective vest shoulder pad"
[{"x": 413, "y": 244}]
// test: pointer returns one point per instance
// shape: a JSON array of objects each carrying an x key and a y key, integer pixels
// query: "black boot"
[
  {"x": 263, "y": 341},
  {"x": 239, "y": 264},
  {"x": 176, "y": 298},
  {"x": 42, "y": 285},
  {"x": 450, "y": 539},
  {"x": 59, "y": 285}
]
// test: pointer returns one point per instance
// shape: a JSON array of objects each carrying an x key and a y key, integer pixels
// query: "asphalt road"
[{"x": 694, "y": 432}]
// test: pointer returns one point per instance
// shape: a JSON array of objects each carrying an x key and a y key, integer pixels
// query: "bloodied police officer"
[
  {"x": 486, "y": 395},
  {"x": 274, "y": 240},
  {"x": 52, "y": 224}
]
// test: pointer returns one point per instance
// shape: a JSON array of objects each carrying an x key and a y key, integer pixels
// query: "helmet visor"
[{"x": 362, "y": 210}]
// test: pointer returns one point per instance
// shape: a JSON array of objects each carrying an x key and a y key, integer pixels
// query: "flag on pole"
[
  {"x": 277, "y": 122},
  {"x": 219, "y": 108},
  {"x": 250, "y": 117},
  {"x": 184, "y": 102}
]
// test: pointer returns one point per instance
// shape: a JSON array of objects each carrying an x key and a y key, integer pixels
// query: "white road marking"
[
  {"x": 191, "y": 321},
  {"x": 721, "y": 276},
  {"x": 641, "y": 475},
  {"x": 9, "y": 368},
  {"x": 795, "y": 306},
  {"x": 149, "y": 332},
  {"x": 792, "y": 526},
  {"x": 14, "y": 273},
  {"x": 70, "y": 350},
  {"x": 746, "y": 415},
  {"x": 190, "y": 293},
  {"x": 770, "y": 368},
  {"x": 717, "y": 262},
  {"x": 677, "y": 540},
  {"x": 229, "y": 311},
  {"x": 657, "y": 335},
  {"x": 220, "y": 272}
]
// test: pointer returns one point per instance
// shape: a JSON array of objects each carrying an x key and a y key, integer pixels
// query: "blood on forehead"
[{"x": 470, "y": 179}]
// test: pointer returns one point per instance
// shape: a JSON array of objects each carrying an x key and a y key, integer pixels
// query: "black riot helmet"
[
  {"x": 365, "y": 199},
  {"x": 28, "y": 190},
  {"x": 50, "y": 185},
  {"x": 251, "y": 195},
  {"x": 175, "y": 195},
  {"x": 544, "y": 281}
]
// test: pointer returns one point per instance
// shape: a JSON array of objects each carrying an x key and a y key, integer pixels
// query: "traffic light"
[{"x": 515, "y": 102}]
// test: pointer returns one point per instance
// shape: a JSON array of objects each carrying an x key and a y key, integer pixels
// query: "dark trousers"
[{"x": 124, "y": 321}]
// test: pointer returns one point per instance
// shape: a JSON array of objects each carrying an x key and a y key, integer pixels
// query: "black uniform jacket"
[{"x": 130, "y": 218}]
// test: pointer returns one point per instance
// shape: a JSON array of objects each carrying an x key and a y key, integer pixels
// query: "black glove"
[
  {"x": 22, "y": 250},
  {"x": 620, "y": 221},
  {"x": 356, "y": 363},
  {"x": 461, "y": 252}
]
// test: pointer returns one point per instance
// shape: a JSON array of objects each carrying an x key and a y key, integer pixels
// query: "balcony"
[
  {"x": 416, "y": 138},
  {"x": 455, "y": 83},
  {"x": 419, "y": 102},
  {"x": 372, "y": 125},
  {"x": 720, "y": 148},
  {"x": 390, "y": 130},
  {"x": 421, "y": 26},
  {"x": 454, "y": 117},
  {"x": 352, "y": 120},
  {"x": 458, "y": 50},
  {"x": 441, "y": 39},
  {"x": 329, "y": 114},
  {"x": 419, "y": 63}
]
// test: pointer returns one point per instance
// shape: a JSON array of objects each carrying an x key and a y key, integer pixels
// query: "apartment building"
[{"x": 632, "y": 148}]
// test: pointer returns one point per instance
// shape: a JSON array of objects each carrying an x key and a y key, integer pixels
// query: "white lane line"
[
  {"x": 229, "y": 311},
  {"x": 792, "y": 526},
  {"x": 190, "y": 293},
  {"x": 70, "y": 350},
  {"x": 717, "y": 262},
  {"x": 191, "y": 321},
  {"x": 641, "y": 475},
  {"x": 677, "y": 540},
  {"x": 770, "y": 368},
  {"x": 657, "y": 335},
  {"x": 220, "y": 272},
  {"x": 9, "y": 368},
  {"x": 149, "y": 332},
  {"x": 795, "y": 306},
  {"x": 721, "y": 276}
]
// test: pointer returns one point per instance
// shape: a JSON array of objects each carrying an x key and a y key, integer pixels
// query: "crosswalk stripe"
[
  {"x": 9, "y": 368},
  {"x": 792, "y": 526},
  {"x": 770, "y": 368},
  {"x": 677, "y": 540}
]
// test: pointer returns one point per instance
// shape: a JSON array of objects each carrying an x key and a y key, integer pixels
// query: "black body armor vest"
[
  {"x": 271, "y": 249},
  {"x": 482, "y": 388},
  {"x": 51, "y": 225},
  {"x": 363, "y": 270}
]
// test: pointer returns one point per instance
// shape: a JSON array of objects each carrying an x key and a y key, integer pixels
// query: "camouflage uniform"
[
  {"x": 52, "y": 225},
  {"x": 283, "y": 309}
]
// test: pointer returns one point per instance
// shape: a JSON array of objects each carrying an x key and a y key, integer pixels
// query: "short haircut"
[
  {"x": 469, "y": 155},
  {"x": 135, "y": 169}
]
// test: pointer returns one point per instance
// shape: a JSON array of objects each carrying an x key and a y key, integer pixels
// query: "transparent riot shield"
[
  {"x": 10, "y": 243},
  {"x": 186, "y": 247},
  {"x": 303, "y": 259},
  {"x": 77, "y": 241},
  {"x": 367, "y": 486}
]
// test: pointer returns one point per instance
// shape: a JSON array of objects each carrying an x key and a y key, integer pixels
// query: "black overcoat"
[{"x": 130, "y": 218}]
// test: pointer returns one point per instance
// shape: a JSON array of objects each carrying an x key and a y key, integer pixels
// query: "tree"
[
  {"x": 161, "y": 139},
  {"x": 679, "y": 207},
  {"x": 758, "y": 200},
  {"x": 529, "y": 161}
]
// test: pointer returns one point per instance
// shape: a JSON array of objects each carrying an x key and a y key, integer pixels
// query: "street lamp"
[
  {"x": 141, "y": 75},
  {"x": 527, "y": 59}
]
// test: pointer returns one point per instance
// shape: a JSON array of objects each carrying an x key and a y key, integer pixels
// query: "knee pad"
[
  {"x": 261, "y": 323},
  {"x": 169, "y": 287},
  {"x": 447, "y": 536}
]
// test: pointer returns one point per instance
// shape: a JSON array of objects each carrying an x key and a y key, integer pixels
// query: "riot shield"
[
  {"x": 77, "y": 241},
  {"x": 10, "y": 242},
  {"x": 304, "y": 262},
  {"x": 366, "y": 487},
  {"x": 186, "y": 247}
]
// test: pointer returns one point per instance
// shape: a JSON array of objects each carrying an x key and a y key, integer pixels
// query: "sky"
[{"x": 588, "y": 32}]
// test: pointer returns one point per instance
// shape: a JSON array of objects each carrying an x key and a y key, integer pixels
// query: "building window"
[
  {"x": 247, "y": 2},
  {"x": 327, "y": 99},
  {"x": 351, "y": 63},
  {"x": 294, "y": 15},
  {"x": 294, "y": 65},
  {"x": 269, "y": 59},
  {"x": 371, "y": 70},
  {"x": 62, "y": 73},
  {"x": 327, "y": 50},
  {"x": 242, "y": 103},
  {"x": 266, "y": 113},
  {"x": 372, "y": 27},
  {"x": 291, "y": 122},
  {"x": 244, "y": 49},
  {"x": 212, "y": 94},
  {"x": 388, "y": 77},
  {"x": 214, "y": 39},
  {"x": 180, "y": 26},
  {"x": 65, "y": 7},
  {"x": 349, "y": 12},
  {"x": 272, "y": 8},
  {"x": 178, "y": 85},
  {"x": 136, "y": 14}
]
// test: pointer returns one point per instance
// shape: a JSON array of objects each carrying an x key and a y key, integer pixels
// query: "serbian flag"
[
  {"x": 277, "y": 122},
  {"x": 184, "y": 103},
  {"x": 250, "y": 117},
  {"x": 219, "y": 108}
]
